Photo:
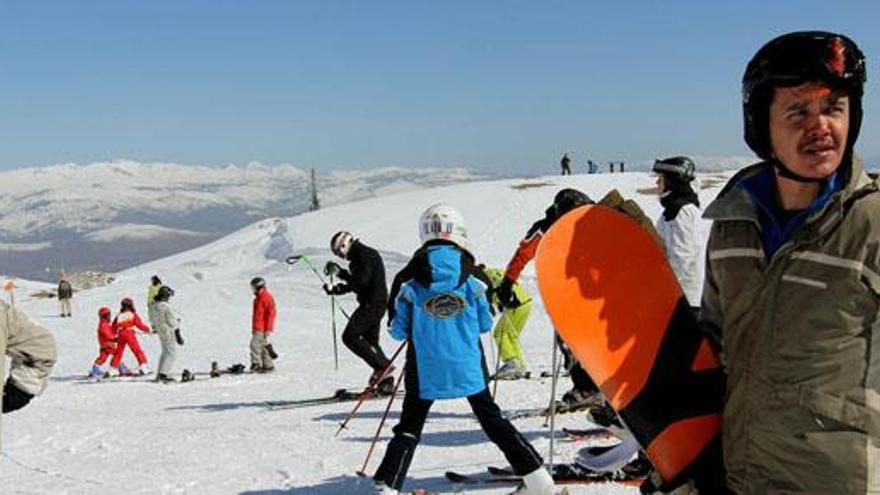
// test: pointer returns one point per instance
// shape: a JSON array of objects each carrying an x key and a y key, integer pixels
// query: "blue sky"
[{"x": 498, "y": 86}]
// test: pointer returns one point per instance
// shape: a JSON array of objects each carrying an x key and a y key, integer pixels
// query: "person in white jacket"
[
  {"x": 167, "y": 325},
  {"x": 678, "y": 225}
]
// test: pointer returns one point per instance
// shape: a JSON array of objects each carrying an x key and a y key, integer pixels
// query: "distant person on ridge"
[
  {"x": 441, "y": 312},
  {"x": 366, "y": 278},
  {"x": 262, "y": 326},
  {"x": 566, "y": 164},
  {"x": 65, "y": 294}
]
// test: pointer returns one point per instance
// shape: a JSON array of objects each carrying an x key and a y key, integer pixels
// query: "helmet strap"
[{"x": 789, "y": 174}]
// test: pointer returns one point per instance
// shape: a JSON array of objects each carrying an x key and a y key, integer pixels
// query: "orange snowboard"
[{"x": 616, "y": 303}]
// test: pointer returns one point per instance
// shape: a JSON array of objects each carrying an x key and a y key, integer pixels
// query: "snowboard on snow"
[{"x": 616, "y": 303}]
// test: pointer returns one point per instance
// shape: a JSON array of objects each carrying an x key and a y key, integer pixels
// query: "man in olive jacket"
[
  {"x": 792, "y": 289},
  {"x": 32, "y": 351}
]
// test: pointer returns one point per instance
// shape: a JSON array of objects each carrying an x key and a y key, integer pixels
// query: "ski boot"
[
  {"x": 187, "y": 376},
  {"x": 123, "y": 370},
  {"x": 386, "y": 386},
  {"x": 96, "y": 373},
  {"x": 538, "y": 482},
  {"x": 379, "y": 373},
  {"x": 511, "y": 370},
  {"x": 215, "y": 369},
  {"x": 163, "y": 378},
  {"x": 577, "y": 399},
  {"x": 380, "y": 488},
  {"x": 144, "y": 369},
  {"x": 604, "y": 415}
]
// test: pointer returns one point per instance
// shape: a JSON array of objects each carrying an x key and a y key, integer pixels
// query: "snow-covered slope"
[
  {"x": 113, "y": 215},
  {"x": 218, "y": 436}
]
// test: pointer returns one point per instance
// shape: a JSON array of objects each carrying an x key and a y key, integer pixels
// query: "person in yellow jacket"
[{"x": 510, "y": 325}]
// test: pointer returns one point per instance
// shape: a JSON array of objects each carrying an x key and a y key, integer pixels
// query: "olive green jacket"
[
  {"x": 800, "y": 341},
  {"x": 30, "y": 347}
]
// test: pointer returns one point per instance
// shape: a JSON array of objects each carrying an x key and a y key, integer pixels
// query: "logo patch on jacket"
[{"x": 445, "y": 305}]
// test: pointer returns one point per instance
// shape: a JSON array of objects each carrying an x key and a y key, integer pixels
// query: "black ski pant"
[
  {"x": 361, "y": 334},
  {"x": 523, "y": 458},
  {"x": 579, "y": 378}
]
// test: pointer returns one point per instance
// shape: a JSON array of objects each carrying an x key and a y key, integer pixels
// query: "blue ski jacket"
[{"x": 443, "y": 318}]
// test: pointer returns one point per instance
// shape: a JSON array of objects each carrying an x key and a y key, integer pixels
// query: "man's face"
[
  {"x": 661, "y": 184},
  {"x": 809, "y": 125}
]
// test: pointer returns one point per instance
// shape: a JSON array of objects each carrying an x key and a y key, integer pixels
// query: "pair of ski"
[
  {"x": 542, "y": 412},
  {"x": 563, "y": 474},
  {"x": 340, "y": 395}
]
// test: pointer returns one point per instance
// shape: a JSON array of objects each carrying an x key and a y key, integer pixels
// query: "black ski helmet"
[
  {"x": 164, "y": 293},
  {"x": 155, "y": 280},
  {"x": 794, "y": 59},
  {"x": 679, "y": 168},
  {"x": 257, "y": 283},
  {"x": 569, "y": 199}
]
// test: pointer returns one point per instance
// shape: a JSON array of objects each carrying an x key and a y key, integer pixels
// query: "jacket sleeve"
[
  {"x": 401, "y": 325},
  {"x": 269, "y": 322},
  {"x": 525, "y": 252},
  {"x": 711, "y": 316},
  {"x": 140, "y": 324},
  {"x": 32, "y": 349},
  {"x": 402, "y": 277},
  {"x": 484, "y": 315}
]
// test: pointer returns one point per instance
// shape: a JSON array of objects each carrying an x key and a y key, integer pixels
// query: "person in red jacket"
[
  {"x": 106, "y": 343},
  {"x": 262, "y": 324},
  {"x": 123, "y": 325}
]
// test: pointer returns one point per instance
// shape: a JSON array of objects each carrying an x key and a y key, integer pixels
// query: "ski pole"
[
  {"x": 363, "y": 470},
  {"x": 553, "y": 398},
  {"x": 368, "y": 392},
  {"x": 498, "y": 344},
  {"x": 291, "y": 260},
  {"x": 333, "y": 326}
]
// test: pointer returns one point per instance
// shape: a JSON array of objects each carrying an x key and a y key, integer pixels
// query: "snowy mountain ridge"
[{"x": 120, "y": 213}]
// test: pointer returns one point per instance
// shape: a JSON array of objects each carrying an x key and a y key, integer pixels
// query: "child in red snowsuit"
[
  {"x": 124, "y": 325},
  {"x": 106, "y": 342}
]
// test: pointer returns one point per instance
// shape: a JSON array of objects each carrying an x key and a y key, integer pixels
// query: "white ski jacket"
[{"x": 682, "y": 241}]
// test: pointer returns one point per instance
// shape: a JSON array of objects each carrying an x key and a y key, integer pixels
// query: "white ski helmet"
[
  {"x": 443, "y": 222},
  {"x": 341, "y": 243}
]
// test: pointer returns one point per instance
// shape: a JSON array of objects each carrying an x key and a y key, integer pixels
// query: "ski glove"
[
  {"x": 331, "y": 269},
  {"x": 506, "y": 297},
  {"x": 335, "y": 290},
  {"x": 271, "y": 350},
  {"x": 14, "y": 398},
  {"x": 178, "y": 337}
]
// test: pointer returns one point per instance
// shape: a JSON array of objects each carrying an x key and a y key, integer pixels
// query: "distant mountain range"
[{"x": 112, "y": 215}]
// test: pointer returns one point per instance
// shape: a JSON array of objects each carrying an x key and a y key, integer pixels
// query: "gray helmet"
[{"x": 679, "y": 168}]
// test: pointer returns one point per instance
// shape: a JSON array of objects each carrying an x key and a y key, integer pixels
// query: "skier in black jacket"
[{"x": 366, "y": 278}]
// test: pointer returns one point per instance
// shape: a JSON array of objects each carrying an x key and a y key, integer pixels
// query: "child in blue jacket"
[{"x": 442, "y": 310}]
